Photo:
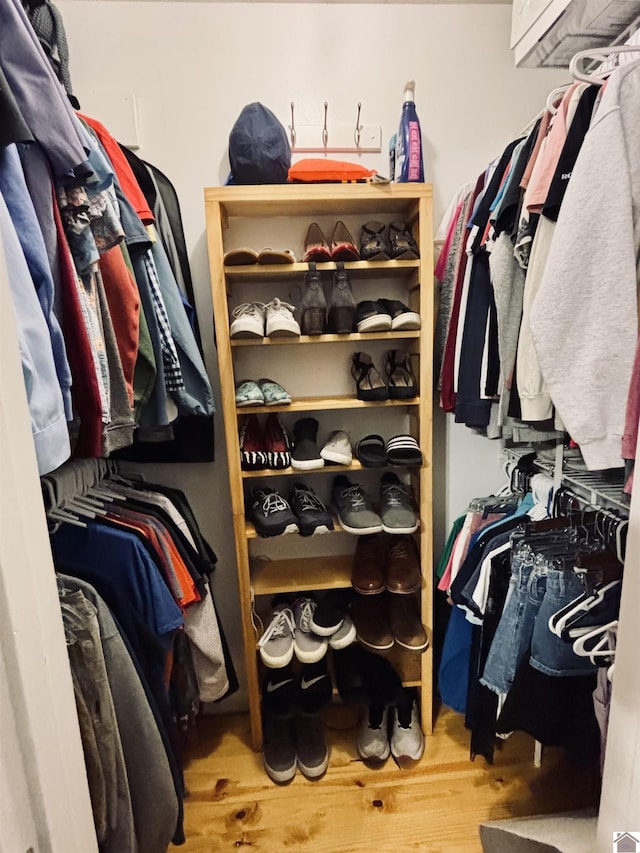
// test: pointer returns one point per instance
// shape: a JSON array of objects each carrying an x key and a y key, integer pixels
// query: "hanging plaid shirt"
[{"x": 172, "y": 371}]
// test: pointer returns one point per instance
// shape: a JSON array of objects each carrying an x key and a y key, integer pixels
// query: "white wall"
[{"x": 193, "y": 66}]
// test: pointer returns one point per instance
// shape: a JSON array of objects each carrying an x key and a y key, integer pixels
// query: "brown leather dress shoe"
[
  {"x": 403, "y": 569},
  {"x": 371, "y": 618},
  {"x": 406, "y": 627},
  {"x": 367, "y": 572}
]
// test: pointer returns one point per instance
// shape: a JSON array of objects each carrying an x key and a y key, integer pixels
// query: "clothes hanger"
[
  {"x": 601, "y": 642},
  {"x": 566, "y": 622},
  {"x": 553, "y": 96},
  {"x": 578, "y": 71}
]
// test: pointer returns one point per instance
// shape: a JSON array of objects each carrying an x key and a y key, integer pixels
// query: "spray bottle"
[{"x": 408, "y": 161}]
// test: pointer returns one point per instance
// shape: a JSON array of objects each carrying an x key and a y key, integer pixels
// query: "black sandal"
[
  {"x": 402, "y": 382},
  {"x": 369, "y": 383},
  {"x": 371, "y": 451},
  {"x": 403, "y": 246},
  {"x": 374, "y": 245}
]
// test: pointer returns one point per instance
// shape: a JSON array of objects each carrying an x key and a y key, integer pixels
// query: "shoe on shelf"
[
  {"x": 276, "y": 443},
  {"x": 364, "y": 677},
  {"x": 278, "y": 749},
  {"x": 307, "y": 646},
  {"x": 397, "y": 505},
  {"x": 368, "y": 568},
  {"x": 407, "y": 629},
  {"x": 249, "y": 393},
  {"x": 276, "y": 642},
  {"x": 402, "y": 244},
  {"x": 402, "y": 382},
  {"x": 313, "y": 304},
  {"x": 371, "y": 618},
  {"x": 253, "y": 448},
  {"x": 280, "y": 322},
  {"x": 371, "y": 317},
  {"x": 280, "y": 690},
  {"x": 403, "y": 567},
  {"x": 407, "y": 740},
  {"x": 311, "y": 745},
  {"x": 273, "y": 394},
  {"x": 269, "y": 256},
  {"x": 374, "y": 243},
  {"x": 306, "y": 455},
  {"x": 345, "y": 635},
  {"x": 330, "y": 612},
  {"x": 343, "y": 247},
  {"x": 238, "y": 257},
  {"x": 369, "y": 383},
  {"x": 312, "y": 515},
  {"x": 403, "y": 451},
  {"x": 373, "y": 734},
  {"x": 342, "y": 306},
  {"x": 371, "y": 451},
  {"x": 337, "y": 448},
  {"x": 270, "y": 513},
  {"x": 248, "y": 322},
  {"x": 314, "y": 687},
  {"x": 403, "y": 319},
  {"x": 353, "y": 508},
  {"x": 316, "y": 248}
]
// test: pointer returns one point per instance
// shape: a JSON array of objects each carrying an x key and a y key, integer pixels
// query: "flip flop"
[
  {"x": 240, "y": 257},
  {"x": 271, "y": 256},
  {"x": 371, "y": 451},
  {"x": 404, "y": 451}
]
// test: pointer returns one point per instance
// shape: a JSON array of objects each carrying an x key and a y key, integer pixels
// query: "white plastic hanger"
[
  {"x": 553, "y": 96},
  {"x": 605, "y": 646},
  {"x": 576, "y": 66}
]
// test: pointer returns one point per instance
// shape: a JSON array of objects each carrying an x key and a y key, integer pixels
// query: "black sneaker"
[
  {"x": 312, "y": 515},
  {"x": 305, "y": 455},
  {"x": 280, "y": 692},
  {"x": 314, "y": 688},
  {"x": 271, "y": 513},
  {"x": 310, "y": 745},
  {"x": 330, "y": 613},
  {"x": 278, "y": 748}
]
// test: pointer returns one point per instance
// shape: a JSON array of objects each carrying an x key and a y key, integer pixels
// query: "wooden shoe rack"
[{"x": 316, "y": 372}]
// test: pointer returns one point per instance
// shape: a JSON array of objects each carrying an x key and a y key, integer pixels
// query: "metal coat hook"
[
  {"x": 325, "y": 132},
  {"x": 293, "y": 127},
  {"x": 356, "y": 132}
]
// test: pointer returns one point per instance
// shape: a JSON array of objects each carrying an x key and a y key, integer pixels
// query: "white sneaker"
[
  {"x": 280, "y": 321},
  {"x": 373, "y": 737},
  {"x": 249, "y": 321},
  {"x": 407, "y": 740},
  {"x": 308, "y": 647},
  {"x": 337, "y": 448},
  {"x": 345, "y": 635}
]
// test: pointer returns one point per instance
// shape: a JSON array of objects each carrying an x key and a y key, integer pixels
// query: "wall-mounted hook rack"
[{"x": 327, "y": 138}]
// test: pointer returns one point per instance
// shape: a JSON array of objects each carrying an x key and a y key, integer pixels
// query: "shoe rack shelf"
[{"x": 279, "y": 216}]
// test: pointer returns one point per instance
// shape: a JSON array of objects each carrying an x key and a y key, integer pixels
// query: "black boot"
[
  {"x": 342, "y": 310},
  {"x": 313, "y": 305},
  {"x": 305, "y": 454}
]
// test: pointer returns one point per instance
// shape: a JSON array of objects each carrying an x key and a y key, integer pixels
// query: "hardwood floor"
[{"x": 435, "y": 807}]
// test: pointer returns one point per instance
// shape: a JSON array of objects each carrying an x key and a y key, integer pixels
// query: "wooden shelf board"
[
  {"x": 252, "y": 533},
  {"x": 274, "y": 576},
  {"x": 293, "y": 472},
  {"x": 276, "y": 272},
  {"x": 322, "y": 339},
  {"x": 312, "y": 404}
]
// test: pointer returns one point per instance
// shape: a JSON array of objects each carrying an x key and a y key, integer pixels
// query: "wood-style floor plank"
[{"x": 432, "y": 808}]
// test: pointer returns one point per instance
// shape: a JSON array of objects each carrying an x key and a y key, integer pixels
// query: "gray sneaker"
[
  {"x": 407, "y": 740},
  {"x": 353, "y": 508},
  {"x": 397, "y": 507},
  {"x": 308, "y": 647},
  {"x": 279, "y": 751},
  {"x": 311, "y": 745},
  {"x": 276, "y": 644},
  {"x": 373, "y": 735},
  {"x": 345, "y": 635}
]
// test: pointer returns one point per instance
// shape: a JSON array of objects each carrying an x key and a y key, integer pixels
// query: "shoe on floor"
[
  {"x": 368, "y": 567},
  {"x": 248, "y": 322},
  {"x": 337, "y": 448},
  {"x": 312, "y": 515},
  {"x": 403, "y": 567},
  {"x": 314, "y": 687},
  {"x": 406, "y": 627},
  {"x": 373, "y": 734},
  {"x": 280, "y": 690},
  {"x": 278, "y": 749},
  {"x": 407, "y": 740},
  {"x": 249, "y": 393},
  {"x": 371, "y": 618},
  {"x": 276, "y": 643},
  {"x": 276, "y": 444},
  {"x": 307, "y": 646},
  {"x": 253, "y": 450},
  {"x": 305, "y": 455},
  {"x": 353, "y": 508},
  {"x": 270, "y": 513},
  {"x": 311, "y": 745},
  {"x": 280, "y": 322},
  {"x": 397, "y": 505}
]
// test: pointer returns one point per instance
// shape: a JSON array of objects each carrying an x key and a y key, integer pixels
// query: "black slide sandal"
[
  {"x": 404, "y": 451},
  {"x": 371, "y": 452}
]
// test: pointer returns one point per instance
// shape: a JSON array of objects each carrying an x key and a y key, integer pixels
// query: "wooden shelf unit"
[{"x": 288, "y": 210}]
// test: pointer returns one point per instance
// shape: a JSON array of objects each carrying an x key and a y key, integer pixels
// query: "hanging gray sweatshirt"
[{"x": 584, "y": 321}]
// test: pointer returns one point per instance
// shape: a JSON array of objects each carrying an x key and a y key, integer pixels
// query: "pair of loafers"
[
  {"x": 380, "y": 242},
  {"x": 341, "y": 247}
]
